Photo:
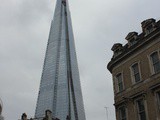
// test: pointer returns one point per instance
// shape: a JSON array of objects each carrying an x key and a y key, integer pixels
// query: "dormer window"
[
  {"x": 132, "y": 38},
  {"x": 117, "y": 52},
  {"x": 148, "y": 26},
  {"x": 148, "y": 29},
  {"x": 117, "y": 49},
  {"x": 132, "y": 42}
]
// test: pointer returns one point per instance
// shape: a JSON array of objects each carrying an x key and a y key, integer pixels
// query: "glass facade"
[{"x": 60, "y": 88}]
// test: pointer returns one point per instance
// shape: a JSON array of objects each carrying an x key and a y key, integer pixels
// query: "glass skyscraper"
[{"x": 60, "y": 88}]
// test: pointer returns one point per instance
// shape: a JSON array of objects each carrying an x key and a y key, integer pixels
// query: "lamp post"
[{"x": 106, "y": 112}]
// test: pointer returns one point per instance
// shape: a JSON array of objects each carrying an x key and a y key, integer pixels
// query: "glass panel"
[
  {"x": 154, "y": 57},
  {"x": 137, "y": 77},
  {"x": 120, "y": 83},
  {"x": 122, "y": 113},
  {"x": 155, "y": 62},
  {"x": 142, "y": 116},
  {"x": 158, "y": 100},
  {"x": 135, "y": 68},
  {"x": 157, "y": 67},
  {"x": 140, "y": 105},
  {"x": 141, "y": 109},
  {"x": 136, "y": 73},
  {"x": 132, "y": 42},
  {"x": 120, "y": 86}
]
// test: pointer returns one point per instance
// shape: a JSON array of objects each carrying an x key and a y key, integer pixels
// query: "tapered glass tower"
[{"x": 60, "y": 89}]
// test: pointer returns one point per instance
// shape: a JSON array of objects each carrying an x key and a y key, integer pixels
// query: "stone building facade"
[
  {"x": 135, "y": 68},
  {"x": 1, "y": 107}
]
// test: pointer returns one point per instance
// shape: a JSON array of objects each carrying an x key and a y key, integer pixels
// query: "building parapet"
[{"x": 150, "y": 30}]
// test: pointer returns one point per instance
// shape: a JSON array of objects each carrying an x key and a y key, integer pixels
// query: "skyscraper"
[{"x": 60, "y": 89}]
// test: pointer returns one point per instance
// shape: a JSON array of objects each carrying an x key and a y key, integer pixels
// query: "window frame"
[
  {"x": 133, "y": 74},
  {"x": 120, "y": 115},
  {"x": 157, "y": 102},
  {"x": 157, "y": 96},
  {"x": 145, "y": 108},
  {"x": 152, "y": 69},
  {"x": 149, "y": 29},
  {"x": 132, "y": 42},
  {"x": 117, "y": 83}
]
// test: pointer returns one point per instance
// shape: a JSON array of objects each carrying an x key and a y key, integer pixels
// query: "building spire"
[{"x": 60, "y": 89}]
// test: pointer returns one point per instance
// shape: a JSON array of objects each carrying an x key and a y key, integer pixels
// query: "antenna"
[{"x": 106, "y": 112}]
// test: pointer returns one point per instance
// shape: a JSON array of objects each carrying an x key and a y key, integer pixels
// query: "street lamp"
[{"x": 106, "y": 112}]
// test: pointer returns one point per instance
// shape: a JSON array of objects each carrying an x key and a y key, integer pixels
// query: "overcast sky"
[{"x": 97, "y": 25}]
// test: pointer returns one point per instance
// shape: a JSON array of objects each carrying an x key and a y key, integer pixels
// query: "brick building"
[{"x": 135, "y": 69}]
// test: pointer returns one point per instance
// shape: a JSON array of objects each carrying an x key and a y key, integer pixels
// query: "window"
[
  {"x": 141, "y": 109},
  {"x": 119, "y": 82},
  {"x": 155, "y": 62},
  {"x": 117, "y": 52},
  {"x": 149, "y": 29},
  {"x": 158, "y": 100},
  {"x": 122, "y": 113},
  {"x": 132, "y": 42},
  {"x": 135, "y": 73}
]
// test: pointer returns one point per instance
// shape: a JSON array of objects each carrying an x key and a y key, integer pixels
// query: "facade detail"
[
  {"x": 155, "y": 62},
  {"x": 139, "y": 61},
  {"x": 60, "y": 88},
  {"x": 122, "y": 113},
  {"x": 119, "y": 81},
  {"x": 141, "y": 109},
  {"x": 1, "y": 107},
  {"x": 135, "y": 73}
]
